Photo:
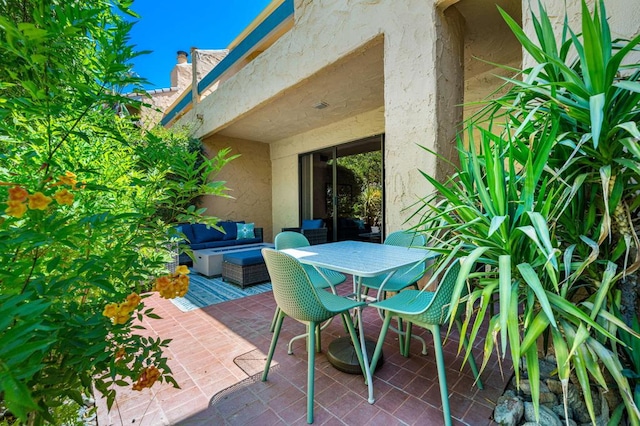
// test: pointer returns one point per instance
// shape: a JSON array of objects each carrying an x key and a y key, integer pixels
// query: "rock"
[
  {"x": 555, "y": 386},
  {"x": 510, "y": 393},
  {"x": 576, "y": 402},
  {"x": 547, "y": 417},
  {"x": 548, "y": 398},
  {"x": 546, "y": 369},
  {"x": 559, "y": 410},
  {"x": 508, "y": 411},
  {"x": 525, "y": 387}
]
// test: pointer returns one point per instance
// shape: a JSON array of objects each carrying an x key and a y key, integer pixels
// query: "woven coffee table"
[{"x": 244, "y": 268}]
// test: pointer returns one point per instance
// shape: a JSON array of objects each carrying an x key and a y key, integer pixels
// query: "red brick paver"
[{"x": 215, "y": 391}]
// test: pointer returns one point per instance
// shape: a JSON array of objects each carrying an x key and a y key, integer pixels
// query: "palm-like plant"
[{"x": 533, "y": 200}]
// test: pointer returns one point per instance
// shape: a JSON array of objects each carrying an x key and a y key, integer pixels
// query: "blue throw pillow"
[
  {"x": 312, "y": 224},
  {"x": 245, "y": 230},
  {"x": 202, "y": 234},
  {"x": 186, "y": 229},
  {"x": 230, "y": 229}
]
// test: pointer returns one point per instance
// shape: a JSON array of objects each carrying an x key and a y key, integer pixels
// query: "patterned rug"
[{"x": 205, "y": 291}]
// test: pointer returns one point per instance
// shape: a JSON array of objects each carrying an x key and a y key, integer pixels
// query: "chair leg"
[
  {"x": 472, "y": 360},
  {"x": 401, "y": 337},
  {"x": 311, "y": 370},
  {"x": 318, "y": 339},
  {"x": 407, "y": 340},
  {"x": 383, "y": 334},
  {"x": 442, "y": 377},
  {"x": 275, "y": 318},
  {"x": 272, "y": 348}
]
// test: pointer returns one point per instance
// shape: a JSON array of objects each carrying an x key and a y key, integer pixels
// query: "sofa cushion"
[
  {"x": 230, "y": 229},
  {"x": 199, "y": 246},
  {"x": 187, "y": 230},
  {"x": 312, "y": 223},
  {"x": 244, "y": 258},
  {"x": 245, "y": 231},
  {"x": 202, "y": 234},
  {"x": 247, "y": 241}
]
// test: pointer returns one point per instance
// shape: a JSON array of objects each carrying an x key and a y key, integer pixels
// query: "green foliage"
[
  {"x": 88, "y": 206},
  {"x": 543, "y": 195},
  {"x": 367, "y": 168}
]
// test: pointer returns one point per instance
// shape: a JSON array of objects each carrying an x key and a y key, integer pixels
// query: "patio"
[{"x": 216, "y": 391}]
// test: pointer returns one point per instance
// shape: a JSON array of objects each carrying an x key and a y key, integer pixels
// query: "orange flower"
[
  {"x": 18, "y": 193},
  {"x": 39, "y": 201},
  {"x": 68, "y": 179},
  {"x": 121, "y": 317},
  {"x": 164, "y": 286},
  {"x": 118, "y": 312},
  {"x": 147, "y": 378},
  {"x": 16, "y": 208},
  {"x": 110, "y": 310},
  {"x": 64, "y": 197},
  {"x": 182, "y": 270},
  {"x": 120, "y": 353},
  {"x": 181, "y": 285},
  {"x": 133, "y": 300}
]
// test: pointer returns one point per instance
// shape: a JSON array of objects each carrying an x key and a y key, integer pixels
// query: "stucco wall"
[
  {"x": 623, "y": 18},
  {"x": 249, "y": 179},
  {"x": 410, "y": 39},
  {"x": 420, "y": 97}
]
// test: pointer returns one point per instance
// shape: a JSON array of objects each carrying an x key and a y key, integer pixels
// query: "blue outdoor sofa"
[{"x": 199, "y": 237}]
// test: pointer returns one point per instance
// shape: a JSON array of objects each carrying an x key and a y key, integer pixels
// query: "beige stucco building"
[{"x": 309, "y": 76}]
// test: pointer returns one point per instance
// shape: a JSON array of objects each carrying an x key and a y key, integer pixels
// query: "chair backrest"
[
  {"x": 405, "y": 239},
  {"x": 292, "y": 289},
  {"x": 438, "y": 310},
  {"x": 290, "y": 239},
  {"x": 408, "y": 239}
]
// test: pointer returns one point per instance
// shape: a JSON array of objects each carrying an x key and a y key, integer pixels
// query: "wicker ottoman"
[{"x": 244, "y": 268}]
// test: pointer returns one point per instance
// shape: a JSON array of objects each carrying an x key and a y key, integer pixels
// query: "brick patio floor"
[{"x": 216, "y": 391}]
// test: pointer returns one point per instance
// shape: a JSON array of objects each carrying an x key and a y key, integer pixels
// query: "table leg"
[{"x": 365, "y": 356}]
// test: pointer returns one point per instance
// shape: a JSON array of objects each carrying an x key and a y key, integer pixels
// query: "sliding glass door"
[{"x": 343, "y": 185}]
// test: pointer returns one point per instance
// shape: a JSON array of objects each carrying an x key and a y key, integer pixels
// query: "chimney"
[
  {"x": 181, "y": 73},
  {"x": 182, "y": 57}
]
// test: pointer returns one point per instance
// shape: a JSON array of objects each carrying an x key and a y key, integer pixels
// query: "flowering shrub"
[{"x": 88, "y": 204}]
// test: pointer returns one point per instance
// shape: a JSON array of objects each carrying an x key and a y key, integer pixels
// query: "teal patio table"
[{"x": 361, "y": 259}]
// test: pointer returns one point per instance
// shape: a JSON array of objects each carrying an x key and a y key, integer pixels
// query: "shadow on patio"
[{"x": 216, "y": 391}]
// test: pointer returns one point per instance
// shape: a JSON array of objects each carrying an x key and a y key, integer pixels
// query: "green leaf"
[
  {"x": 505, "y": 297},
  {"x": 532, "y": 280},
  {"x": 16, "y": 396},
  {"x": 533, "y": 370},
  {"x": 496, "y": 223},
  {"x": 596, "y": 108}
]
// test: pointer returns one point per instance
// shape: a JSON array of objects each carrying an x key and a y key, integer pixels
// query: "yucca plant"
[{"x": 542, "y": 198}]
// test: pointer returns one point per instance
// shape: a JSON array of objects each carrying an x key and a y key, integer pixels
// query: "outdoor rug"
[{"x": 205, "y": 291}]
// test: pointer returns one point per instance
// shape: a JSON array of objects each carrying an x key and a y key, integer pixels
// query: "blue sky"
[{"x": 167, "y": 26}]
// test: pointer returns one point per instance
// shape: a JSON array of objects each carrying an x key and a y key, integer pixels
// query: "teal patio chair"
[
  {"x": 428, "y": 310},
  {"x": 323, "y": 279},
  {"x": 401, "y": 279},
  {"x": 299, "y": 299}
]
